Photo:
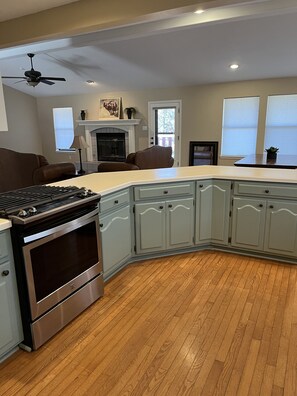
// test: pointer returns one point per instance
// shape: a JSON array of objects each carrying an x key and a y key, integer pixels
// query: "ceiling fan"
[{"x": 34, "y": 77}]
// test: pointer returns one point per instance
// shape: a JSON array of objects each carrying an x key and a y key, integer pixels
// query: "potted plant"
[
  {"x": 271, "y": 152},
  {"x": 130, "y": 111}
]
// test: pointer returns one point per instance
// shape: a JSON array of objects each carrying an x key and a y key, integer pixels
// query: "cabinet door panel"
[
  {"x": 248, "y": 223},
  {"x": 180, "y": 224},
  {"x": 281, "y": 226},
  {"x": 116, "y": 239},
  {"x": 212, "y": 212},
  {"x": 150, "y": 227}
]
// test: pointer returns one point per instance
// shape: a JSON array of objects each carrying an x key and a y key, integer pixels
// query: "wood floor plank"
[{"x": 204, "y": 323}]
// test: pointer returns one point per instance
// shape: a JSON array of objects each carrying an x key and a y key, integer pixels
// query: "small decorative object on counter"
[
  {"x": 271, "y": 153},
  {"x": 130, "y": 111},
  {"x": 83, "y": 114}
]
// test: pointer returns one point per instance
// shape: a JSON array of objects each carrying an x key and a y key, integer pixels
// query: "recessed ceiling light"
[
  {"x": 234, "y": 66},
  {"x": 199, "y": 12},
  {"x": 90, "y": 82}
]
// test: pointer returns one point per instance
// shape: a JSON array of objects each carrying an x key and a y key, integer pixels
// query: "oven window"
[{"x": 60, "y": 260}]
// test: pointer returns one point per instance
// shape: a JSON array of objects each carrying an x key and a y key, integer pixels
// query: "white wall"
[{"x": 23, "y": 133}]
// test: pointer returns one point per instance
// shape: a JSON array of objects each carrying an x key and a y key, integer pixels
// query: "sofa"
[
  {"x": 150, "y": 158},
  {"x": 19, "y": 170}
]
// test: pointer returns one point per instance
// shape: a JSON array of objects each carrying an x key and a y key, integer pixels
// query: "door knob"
[{"x": 5, "y": 273}]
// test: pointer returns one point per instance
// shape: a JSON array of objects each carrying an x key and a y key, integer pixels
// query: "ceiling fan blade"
[
  {"x": 47, "y": 82},
  {"x": 24, "y": 78},
  {"x": 52, "y": 78}
]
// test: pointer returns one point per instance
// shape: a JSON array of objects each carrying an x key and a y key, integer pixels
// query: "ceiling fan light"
[{"x": 32, "y": 83}]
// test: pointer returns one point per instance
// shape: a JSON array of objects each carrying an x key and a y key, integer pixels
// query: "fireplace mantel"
[{"x": 128, "y": 126}]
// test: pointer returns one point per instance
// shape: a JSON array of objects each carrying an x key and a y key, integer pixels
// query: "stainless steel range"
[{"x": 57, "y": 251}]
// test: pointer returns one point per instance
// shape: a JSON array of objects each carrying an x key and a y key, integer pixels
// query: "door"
[
  {"x": 248, "y": 223},
  {"x": 281, "y": 228},
  {"x": 115, "y": 228},
  {"x": 180, "y": 224},
  {"x": 165, "y": 126},
  {"x": 212, "y": 212},
  {"x": 150, "y": 227}
]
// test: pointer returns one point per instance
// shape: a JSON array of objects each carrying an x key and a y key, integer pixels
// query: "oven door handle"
[{"x": 71, "y": 225}]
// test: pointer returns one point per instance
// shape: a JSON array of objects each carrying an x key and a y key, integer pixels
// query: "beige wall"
[
  {"x": 23, "y": 129},
  {"x": 201, "y": 111},
  {"x": 30, "y": 120}
]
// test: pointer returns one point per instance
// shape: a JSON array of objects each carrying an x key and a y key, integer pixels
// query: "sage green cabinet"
[
  {"x": 281, "y": 228},
  {"x": 212, "y": 212},
  {"x": 116, "y": 231},
  {"x": 164, "y": 225},
  {"x": 248, "y": 223},
  {"x": 11, "y": 333}
]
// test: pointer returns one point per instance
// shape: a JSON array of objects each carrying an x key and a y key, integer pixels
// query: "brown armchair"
[
  {"x": 150, "y": 158},
  {"x": 19, "y": 170}
]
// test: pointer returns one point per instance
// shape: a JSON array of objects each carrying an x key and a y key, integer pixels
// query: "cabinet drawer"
[
  {"x": 3, "y": 245},
  {"x": 114, "y": 200},
  {"x": 163, "y": 190},
  {"x": 267, "y": 190}
]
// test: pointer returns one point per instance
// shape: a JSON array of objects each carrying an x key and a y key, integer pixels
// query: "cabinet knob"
[
  {"x": 5, "y": 273},
  {"x": 169, "y": 206},
  {"x": 116, "y": 201},
  {"x": 165, "y": 192},
  {"x": 200, "y": 185},
  {"x": 271, "y": 206},
  {"x": 267, "y": 191},
  {"x": 101, "y": 225},
  {"x": 160, "y": 207},
  {"x": 261, "y": 206}
]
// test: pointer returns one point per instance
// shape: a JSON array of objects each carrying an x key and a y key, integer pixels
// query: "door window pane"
[
  {"x": 63, "y": 125},
  {"x": 165, "y": 127}
]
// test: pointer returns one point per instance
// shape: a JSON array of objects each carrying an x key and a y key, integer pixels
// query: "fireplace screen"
[
  {"x": 111, "y": 146},
  {"x": 203, "y": 153}
]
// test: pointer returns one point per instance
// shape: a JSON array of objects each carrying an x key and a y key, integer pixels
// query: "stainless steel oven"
[{"x": 58, "y": 264}]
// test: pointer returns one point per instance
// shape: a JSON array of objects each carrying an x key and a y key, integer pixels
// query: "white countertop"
[{"x": 106, "y": 182}]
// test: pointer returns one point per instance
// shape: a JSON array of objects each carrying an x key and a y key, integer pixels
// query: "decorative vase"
[
  {"x": 271, "y": 155},
  {"x": 83, "y": 114},
  {"x": 129, "y": 114}
]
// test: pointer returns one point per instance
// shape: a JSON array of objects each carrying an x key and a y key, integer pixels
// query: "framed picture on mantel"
[{"x": 110, "y": 108}]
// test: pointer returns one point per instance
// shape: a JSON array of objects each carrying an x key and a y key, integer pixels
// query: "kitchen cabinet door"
[
  {"x": 116, "y": 240},
  {"x": 212, "y": 212},
  {"x": 10, "y": 324},
  {"x": 248, "y": 223},
  {"x": 281, "y": 228},
  {"x": 180, "y": 223},
  {"x": 150, "y": 227}
]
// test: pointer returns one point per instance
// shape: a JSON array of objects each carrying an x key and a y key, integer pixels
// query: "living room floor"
[{"x": 205, "y": 323}]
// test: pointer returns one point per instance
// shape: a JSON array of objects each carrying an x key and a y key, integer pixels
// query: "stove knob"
[
  {"x": 23, "y": 213},
  {"x": 84, "y": 192},
  {"x": 32, "y": 210}
]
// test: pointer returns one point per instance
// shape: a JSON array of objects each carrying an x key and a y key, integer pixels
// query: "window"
[
  {"x": 240, "y": 124},
  {"x": 281, "y": 123},
  {"x": 63, "y": 125}
]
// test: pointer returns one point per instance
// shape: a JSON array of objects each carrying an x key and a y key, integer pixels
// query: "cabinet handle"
[
  {"x": 267, "y": 191},
  {"x": 200, "y": 185},
  {"x": 116, "y": 201},
  {"x": 160, "y": 207},
  {"x": 101, "y": 225},
  {"x": 261, "y": 205},
  {"x": 165, "y": 192},
  {"x": 271, "y": 206},
  {"x": 5, "y": 273},
  {"x": 169, "y": 206}
]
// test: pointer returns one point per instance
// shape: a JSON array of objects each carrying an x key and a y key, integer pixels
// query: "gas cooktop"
[{"x": 32, "y": 202}]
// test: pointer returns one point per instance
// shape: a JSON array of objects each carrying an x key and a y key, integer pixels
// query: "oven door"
[{"x": 60, "y": 260}]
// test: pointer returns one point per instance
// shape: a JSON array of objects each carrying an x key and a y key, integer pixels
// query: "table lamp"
[{"x": 79, "y": 143}]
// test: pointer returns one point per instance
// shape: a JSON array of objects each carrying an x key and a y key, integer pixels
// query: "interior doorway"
[{"x": 164, "y": 123}]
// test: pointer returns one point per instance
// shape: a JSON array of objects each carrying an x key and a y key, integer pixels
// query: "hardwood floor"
[{"x": 205, "y": 323}]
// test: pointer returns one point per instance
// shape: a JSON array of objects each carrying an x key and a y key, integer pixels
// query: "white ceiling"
[{"x": 182, "y": 51}]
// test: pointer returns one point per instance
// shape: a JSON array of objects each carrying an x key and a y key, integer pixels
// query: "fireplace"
[{"x": 111, "y": 146}]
